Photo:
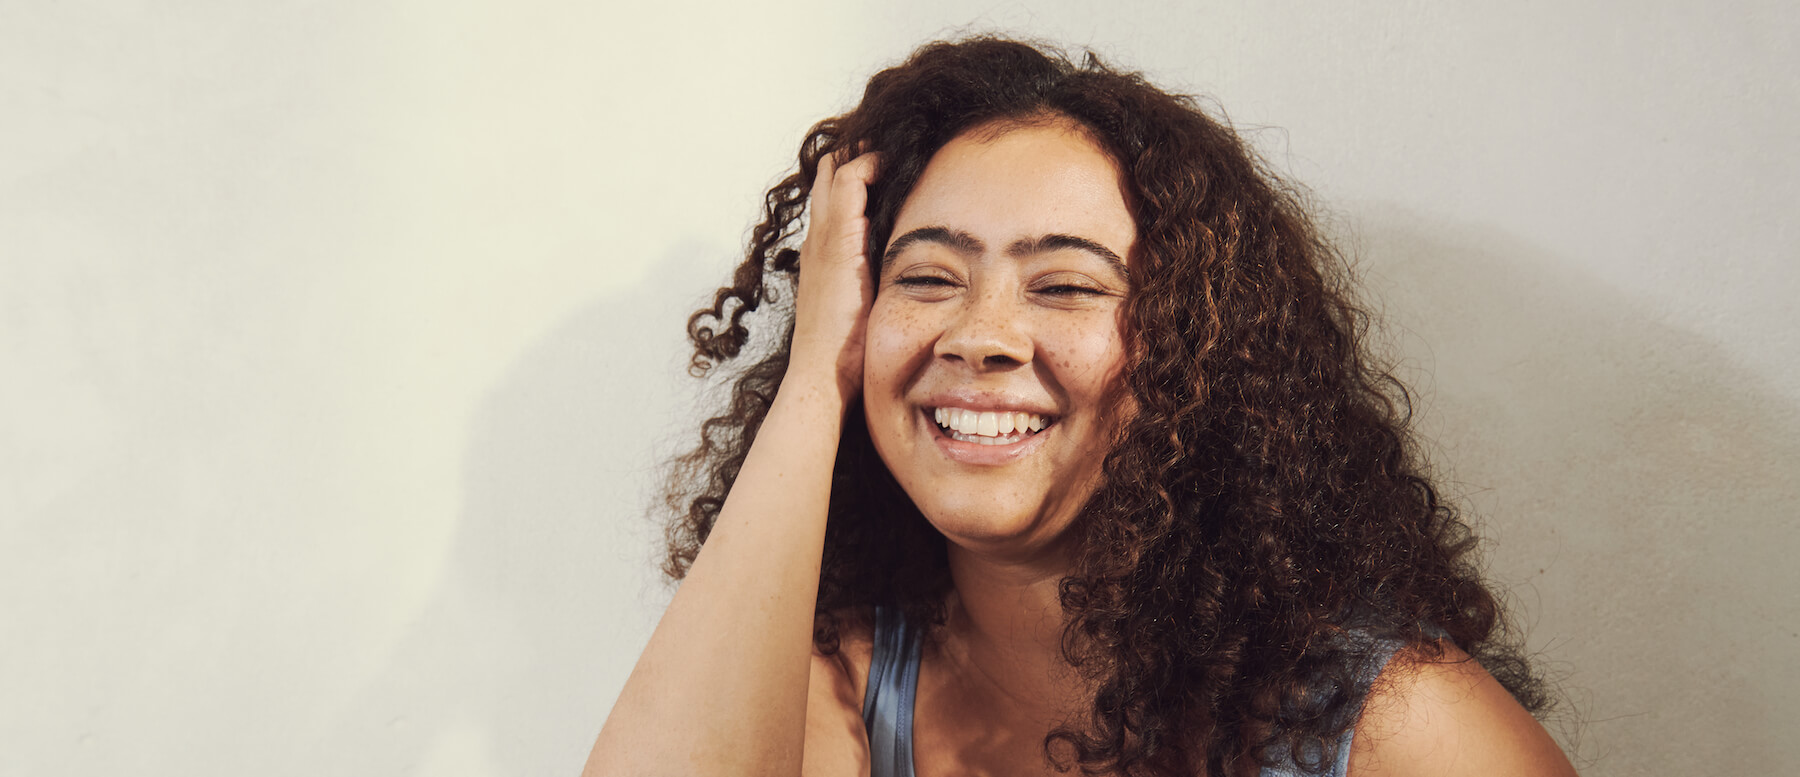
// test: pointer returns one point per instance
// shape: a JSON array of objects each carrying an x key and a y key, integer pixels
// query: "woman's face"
[{"x": 995, "y": 335}]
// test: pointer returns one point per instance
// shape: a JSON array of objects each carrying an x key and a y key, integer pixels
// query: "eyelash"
[
  {"x": 924, "y": 280},
  {"x": 1060, "y": 290}
]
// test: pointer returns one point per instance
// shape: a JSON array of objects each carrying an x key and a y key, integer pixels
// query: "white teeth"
[
  {"x": 980, "y": 440},
  {"x": 992, "y": 427}
]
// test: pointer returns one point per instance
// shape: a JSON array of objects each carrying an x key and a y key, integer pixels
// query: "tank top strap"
[
  {"x": 894, "y": 681},
  {"x": 888, "y": 701},
  {"x": 1371, "y": 656}
]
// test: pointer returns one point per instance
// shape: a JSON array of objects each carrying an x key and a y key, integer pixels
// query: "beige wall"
[{"x": 338, "y": 341}]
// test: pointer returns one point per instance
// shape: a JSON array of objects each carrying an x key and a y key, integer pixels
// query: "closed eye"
[
  {"x": 1066, "y": 290},
  {"x": 924, "y": 281}
]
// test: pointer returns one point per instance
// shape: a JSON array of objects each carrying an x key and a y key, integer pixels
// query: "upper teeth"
[{"x": 988, "y": 423}]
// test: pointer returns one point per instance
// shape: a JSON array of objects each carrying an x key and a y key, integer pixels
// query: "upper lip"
[{"x": 987, "y": 401}]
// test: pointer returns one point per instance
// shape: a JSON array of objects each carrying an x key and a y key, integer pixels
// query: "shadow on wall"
[
  {"x": 1634, "y": 484},
  {"x": 552, "y": 585},
  {"x": 1636, "y": 489}
]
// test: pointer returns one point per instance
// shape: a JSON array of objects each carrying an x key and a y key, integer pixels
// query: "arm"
[
  {"x": 722, "y": 686},
  {"x": 1448, "y": 719}
]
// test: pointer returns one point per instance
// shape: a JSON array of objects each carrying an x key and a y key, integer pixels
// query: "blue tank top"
[{"x": 894, "y": 681}]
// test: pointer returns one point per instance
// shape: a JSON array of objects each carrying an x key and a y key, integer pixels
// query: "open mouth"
[{"x": 989, "y": 427}]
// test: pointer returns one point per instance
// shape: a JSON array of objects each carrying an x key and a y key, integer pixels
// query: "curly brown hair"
[{"x": 1265, "y": 502}]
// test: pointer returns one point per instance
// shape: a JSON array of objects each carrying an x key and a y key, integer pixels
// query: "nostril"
[{"x": 984, "y": 349}]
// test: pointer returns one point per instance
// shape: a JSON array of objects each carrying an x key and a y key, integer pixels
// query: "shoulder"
[
  {"x": 836, "y": 743},
  {"x": 1444, "y": 717}
]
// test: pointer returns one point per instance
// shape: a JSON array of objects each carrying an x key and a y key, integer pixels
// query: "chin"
[{"x": 993, "y": 525}]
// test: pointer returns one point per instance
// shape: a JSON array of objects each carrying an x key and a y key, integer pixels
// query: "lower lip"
[{"x": 981, "y": 455}]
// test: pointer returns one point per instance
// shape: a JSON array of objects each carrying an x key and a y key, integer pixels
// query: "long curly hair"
[{"x": 1263, "y": 510}]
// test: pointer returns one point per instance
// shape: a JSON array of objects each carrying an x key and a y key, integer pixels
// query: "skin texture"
[{"x": 1448, "y": 716}]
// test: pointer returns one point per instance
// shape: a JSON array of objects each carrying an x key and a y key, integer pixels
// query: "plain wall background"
[{"x": 339, "y": 340}]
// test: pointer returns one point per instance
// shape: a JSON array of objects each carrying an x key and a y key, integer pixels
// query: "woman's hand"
[
  {"x": 751, "y": 591},
  {"x": 836, "y": 288}
]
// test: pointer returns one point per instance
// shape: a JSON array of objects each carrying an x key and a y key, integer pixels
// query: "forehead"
[{"x": 1006, "y": 183}]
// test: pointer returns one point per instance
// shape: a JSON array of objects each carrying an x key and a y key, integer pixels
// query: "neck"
[{"x": 1005, "y": 623}]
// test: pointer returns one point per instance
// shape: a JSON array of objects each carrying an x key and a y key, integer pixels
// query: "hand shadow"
[{"x": 552, "y": 586}]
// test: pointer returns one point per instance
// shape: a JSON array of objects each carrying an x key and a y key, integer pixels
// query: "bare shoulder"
[
  {"x": 836, "y": 743},
  {"x": 1449, "y": 717}
]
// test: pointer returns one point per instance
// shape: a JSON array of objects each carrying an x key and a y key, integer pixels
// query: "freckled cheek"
[
  {"x": 1085, "y": 357},
  {"x": 896, "y": 339}
]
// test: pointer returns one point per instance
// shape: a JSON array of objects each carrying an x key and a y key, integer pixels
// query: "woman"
[{"x": 1070, "y": 458}]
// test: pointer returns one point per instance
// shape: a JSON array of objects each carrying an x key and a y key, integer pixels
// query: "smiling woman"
[
  {"x": 1002, "y": 296},
  {"x": 1071, "y": 458}
]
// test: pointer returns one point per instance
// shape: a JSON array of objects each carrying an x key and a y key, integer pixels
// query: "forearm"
[{"x": 721, "y": 686}]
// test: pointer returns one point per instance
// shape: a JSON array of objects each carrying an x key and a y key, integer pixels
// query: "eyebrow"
[{"x": 968, "y": 245}]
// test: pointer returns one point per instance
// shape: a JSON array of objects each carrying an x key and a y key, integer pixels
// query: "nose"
[{"x": 988, "y": 333}]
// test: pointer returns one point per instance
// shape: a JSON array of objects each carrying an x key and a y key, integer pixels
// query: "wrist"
[{"x": 818, "y": 393}]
